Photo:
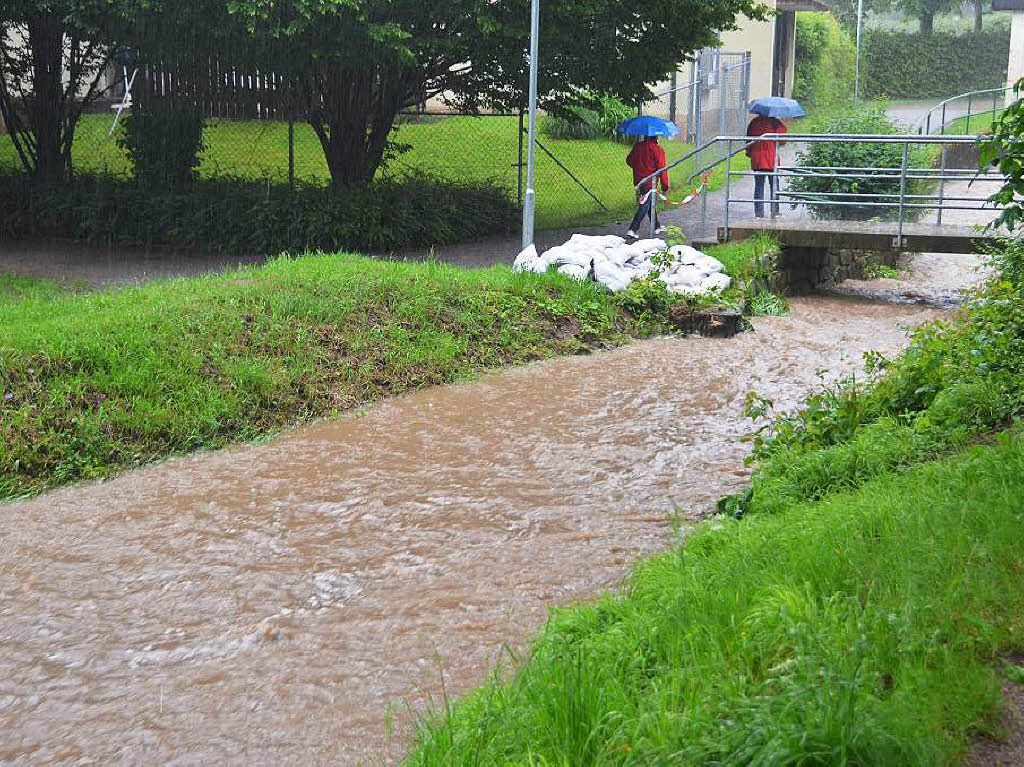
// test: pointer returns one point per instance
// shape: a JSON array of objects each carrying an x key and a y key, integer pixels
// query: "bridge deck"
[{"x": 862, "y": 235}]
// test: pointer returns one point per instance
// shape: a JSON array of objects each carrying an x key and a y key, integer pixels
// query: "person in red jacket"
[
  {"x": 646, "y": 158},
  {"x": 763, "y": 158}
]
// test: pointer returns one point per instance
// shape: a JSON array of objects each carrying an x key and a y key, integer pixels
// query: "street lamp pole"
[
  {"x": 530, "y": 197},
  {"x": 856, "y": 77}
]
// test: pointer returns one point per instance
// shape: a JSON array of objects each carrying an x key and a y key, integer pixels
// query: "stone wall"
[{"x": 812, "y": 270}]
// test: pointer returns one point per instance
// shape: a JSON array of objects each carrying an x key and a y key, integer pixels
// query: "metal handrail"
[
  {"x": 924, "y": 123},
  {"x": 901, "y": 201}
]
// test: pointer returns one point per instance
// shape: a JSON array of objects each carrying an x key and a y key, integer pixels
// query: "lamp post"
[
  {"x": 856, "y": 76},
  {"x": 530, "y": 197}
]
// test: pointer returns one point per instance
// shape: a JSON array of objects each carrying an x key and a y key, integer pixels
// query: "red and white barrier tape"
[{"x": 689, "y": 198}]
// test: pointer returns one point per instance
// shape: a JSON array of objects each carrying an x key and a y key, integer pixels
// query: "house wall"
[
  {"x": 758, "y": 37},
  {"x": 1016, "y": 68}
]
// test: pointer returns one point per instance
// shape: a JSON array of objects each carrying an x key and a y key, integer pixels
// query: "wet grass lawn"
[
  {"x": 93, "y": 383},
  {"x": 468, "y": 148}
]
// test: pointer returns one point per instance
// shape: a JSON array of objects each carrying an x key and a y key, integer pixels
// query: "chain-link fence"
[
  {"x": 251, "y": 135},
  {"x": 712, "y": 101}
]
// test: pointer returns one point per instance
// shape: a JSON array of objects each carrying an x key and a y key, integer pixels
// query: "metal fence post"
[
  {"x": 698, "y": 106},
  {"x": 970, "y": 99},
  {"x": 722, "y": 129},
  {"x": 674, "y": 82},
  {"x": 747, "y": 62},
  {"x": 291, "y": 150},
  {"x": 903, "y": 191},
  {"x": 519, "y": 165},
  {"x": 728, "y": 185},
  {"x": 942, "y": 127}
]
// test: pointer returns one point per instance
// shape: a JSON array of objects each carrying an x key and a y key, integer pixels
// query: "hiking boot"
[{"x": 631, "y": 235}]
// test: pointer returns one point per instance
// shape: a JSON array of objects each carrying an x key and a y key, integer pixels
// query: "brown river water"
[{"x": 272, "y": 603}]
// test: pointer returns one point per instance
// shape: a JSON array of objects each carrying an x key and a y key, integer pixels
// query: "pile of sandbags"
[{"x": 615, "y": 263}]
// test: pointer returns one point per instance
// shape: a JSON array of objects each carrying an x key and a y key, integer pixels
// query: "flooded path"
[{"x": 268, "y": 604}]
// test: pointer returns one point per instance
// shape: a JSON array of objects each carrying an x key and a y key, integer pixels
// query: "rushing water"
[{"x": 271, "y": 603}]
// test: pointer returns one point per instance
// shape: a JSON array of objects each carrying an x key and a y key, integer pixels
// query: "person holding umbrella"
[
  {"x": 764, "y": 154},
  {"x": 647, "y": 158}
]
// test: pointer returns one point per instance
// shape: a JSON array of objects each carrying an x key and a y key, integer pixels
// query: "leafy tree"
[
  {"x": 845, "y": 11},
  {"x": 1005, "y": 151},
  {"x": 357, "y": 63},
  {"x": 926, "y": 11},
  {"x": 52, "y": 53}
]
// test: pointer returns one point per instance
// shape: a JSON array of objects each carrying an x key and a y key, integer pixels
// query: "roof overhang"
[{"x": 804, "y": 5}]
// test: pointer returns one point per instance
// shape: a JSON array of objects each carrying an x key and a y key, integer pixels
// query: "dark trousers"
[
  {"x": 643, "y": 215},
  {"x": 760, "y": 176}
]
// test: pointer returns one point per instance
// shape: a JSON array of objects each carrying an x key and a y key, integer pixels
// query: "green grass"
[
  {"x": 98, "y": 382},
  {"x": 14, "y": 289},
  {"x": 858, "y": 630},
  {"x": 975, "y": 123},
  {"x": 468, "y": 148}
]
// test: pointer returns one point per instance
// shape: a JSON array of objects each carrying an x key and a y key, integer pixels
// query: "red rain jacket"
[
  {"x": 762, "y": 153},
  {"x": 645, "y": 158}
]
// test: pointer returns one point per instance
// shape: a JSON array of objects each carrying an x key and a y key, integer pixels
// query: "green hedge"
[
  {"x": 245, "y": 217},
  {"x": 825, "y": 60},
  {"x": 905, "y": 65}
]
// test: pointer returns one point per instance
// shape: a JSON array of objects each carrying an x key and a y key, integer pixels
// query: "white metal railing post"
[{"x": 903, "y": 191}]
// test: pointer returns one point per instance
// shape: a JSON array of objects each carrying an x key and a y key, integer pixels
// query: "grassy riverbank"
[
  {"x": 834, "y": 634},
  {"x": 94, "y": 383},
  {"x": 851, "y": 607}
]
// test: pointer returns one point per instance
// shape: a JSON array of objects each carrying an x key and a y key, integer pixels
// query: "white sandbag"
[
  {"x": 650, "y": 246},
  {"x": 524, "y": 261},
  {"x": 573, "y": 258},
  {"x": 588, "y": 241},
  {"x": 709, "y": 265},
  {"x": 715, "y": 282},
  {"x": 576, "y": 271},
  {"x": 684, "y": 254},
  {"x": 683, "y": 275},
  {"x": 611, "y": 276},
  {"x": 686, "y": 290}
]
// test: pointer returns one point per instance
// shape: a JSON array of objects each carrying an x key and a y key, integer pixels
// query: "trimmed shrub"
[
  {"x": 163, "y": 140},
  {"x": 244, "y": 217},
  {"x": 825, "y": 60},
  {"x": 842, "y": 155},
  {"x": 906, "y": 65}
]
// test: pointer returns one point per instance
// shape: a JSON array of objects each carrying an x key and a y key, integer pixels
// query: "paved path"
[{"x": 103, "y": 266}]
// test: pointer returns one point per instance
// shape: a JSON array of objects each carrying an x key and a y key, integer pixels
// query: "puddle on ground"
[{"x": 268, "y": 604}]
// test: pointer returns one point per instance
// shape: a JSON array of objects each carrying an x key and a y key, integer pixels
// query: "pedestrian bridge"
[{"x": 875, "y": 236}]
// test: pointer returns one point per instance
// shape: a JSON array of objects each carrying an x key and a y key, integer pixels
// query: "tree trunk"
[
  {"x": 353, "y": 114},
  {"x": 927, "y": 23},
  {"x": 979, "y": 15},
  {"x": 46, "y": 104}
]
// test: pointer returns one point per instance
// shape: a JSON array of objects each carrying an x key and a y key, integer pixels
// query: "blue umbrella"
[
  {"x": 647, "y": 125},
  {"x": 776, "y": 106}
]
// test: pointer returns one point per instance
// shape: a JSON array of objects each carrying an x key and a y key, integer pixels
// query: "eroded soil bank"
[{"x": 269, "y": 603}]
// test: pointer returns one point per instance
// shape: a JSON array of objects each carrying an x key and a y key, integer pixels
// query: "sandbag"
[
  {"x": 611, "y": 276},
  {"x": 524, "y": 261},
  {"x": 576, "y": 271},
  {"x": 715, "y": 282}
]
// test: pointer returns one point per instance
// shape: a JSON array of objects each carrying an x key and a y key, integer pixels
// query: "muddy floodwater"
[{"x": 272, "y": 603}]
